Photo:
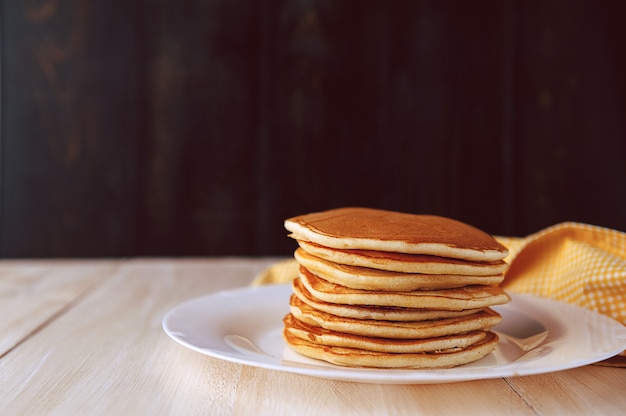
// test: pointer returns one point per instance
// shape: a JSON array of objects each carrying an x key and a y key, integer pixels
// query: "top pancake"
[{"x": 381, "y": 230}]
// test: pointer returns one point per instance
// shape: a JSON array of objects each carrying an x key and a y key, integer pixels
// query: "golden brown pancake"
[
  {"x": 392, "y": 290},
  {"x": 401, "y": 262},
  {"x": 355, "y": 357},
  {"x": 468, "y": 297},
  {"x": 381, "y": 230},
  {"x": 366, "y": 278},
  {"x": 322, "y": 336},
  {"x": 385, "y": 313},
  {"x": 483, "y": 320}
]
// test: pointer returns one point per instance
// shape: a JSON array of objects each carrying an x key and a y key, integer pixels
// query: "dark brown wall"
[{"x": 196, "y": 127}]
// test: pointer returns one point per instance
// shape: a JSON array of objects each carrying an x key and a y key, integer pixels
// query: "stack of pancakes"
[{"x": 393, "y": 290}]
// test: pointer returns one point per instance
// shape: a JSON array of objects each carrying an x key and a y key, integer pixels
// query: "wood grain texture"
[
  {"x": 67, "y": 138},
  {"x": 197, "y": 128},
  {"x": 34, "y": 294},
  {"x": 314, "y": 396},
  {"x": 106, "y": 353},
  {"x": 543, "y": 393}
]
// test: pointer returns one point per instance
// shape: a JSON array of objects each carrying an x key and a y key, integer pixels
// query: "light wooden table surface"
[{"x": 85, "y": 338}]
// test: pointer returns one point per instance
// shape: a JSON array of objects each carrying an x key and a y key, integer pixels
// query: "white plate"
[{"x": 536, "y": 336}]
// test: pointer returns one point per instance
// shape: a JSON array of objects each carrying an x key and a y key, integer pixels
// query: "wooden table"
[{"x": 85, "y": 338}]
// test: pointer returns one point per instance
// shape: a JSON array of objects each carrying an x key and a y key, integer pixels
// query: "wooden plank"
[
  {"x": 294, "y": 393},
  {"x": 570, "y": 138},
  {"x": 68, "y": 134},
  {"x": 107, "y": 353},
  {"x": 196, "y": 129},
  {"x": 372, "y": 107},
  {"x": 198, "y": 132},
  {"x": 546, "y": 393},
  {"x": 32, "y": 294}
]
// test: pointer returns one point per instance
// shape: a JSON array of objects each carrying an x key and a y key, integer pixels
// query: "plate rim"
[{"x": 386, "y": 376}]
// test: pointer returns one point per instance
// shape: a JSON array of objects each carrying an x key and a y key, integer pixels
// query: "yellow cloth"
[
  {"x": 280, "y": 272},
  {"x": 577, "y": 263},
  {"x": 572, "y": 262}
]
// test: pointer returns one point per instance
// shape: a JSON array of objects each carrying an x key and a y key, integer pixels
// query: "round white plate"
[{"x": 537, "y": 336}]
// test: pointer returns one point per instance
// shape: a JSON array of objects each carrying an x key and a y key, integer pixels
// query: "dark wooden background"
[{"x": 186, "y": 128}]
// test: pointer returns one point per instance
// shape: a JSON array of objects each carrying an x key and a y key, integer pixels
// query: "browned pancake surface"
[{"x": 367, "y": 228}]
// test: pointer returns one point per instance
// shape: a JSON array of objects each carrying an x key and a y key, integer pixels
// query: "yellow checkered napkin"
[
  {"x": 280, "y": 272},
  {"x": 572, "y": 262},
  {"x": 577, "y": 263}
]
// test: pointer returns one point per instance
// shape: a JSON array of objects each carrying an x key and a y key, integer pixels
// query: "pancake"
[
  {"x": 322, "y": 336},
  {"x": 354, "y": 357},
  {"x": 366, "y": 278},
  {"x": 401, "y": 262},
  {"x": 483, "y": 320},
  {"x": 380, "y": 230},
  {"x": 392, "y": 290},
  {"x": 386, "y": 313},
  {"x": 467, "y": 297}
]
